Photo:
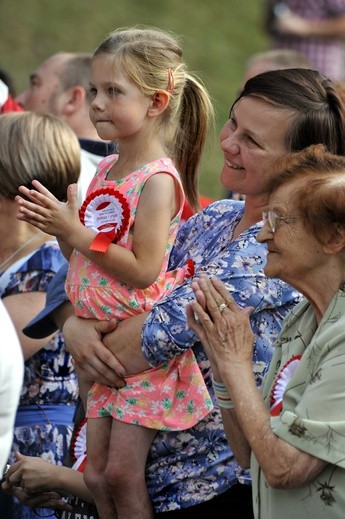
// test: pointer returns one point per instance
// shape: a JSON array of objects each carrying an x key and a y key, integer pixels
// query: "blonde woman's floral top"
[{"x": 50, "y": 382}]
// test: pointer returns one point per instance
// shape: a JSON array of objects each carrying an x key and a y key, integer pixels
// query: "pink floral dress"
[{"x": 172, "y": 396}]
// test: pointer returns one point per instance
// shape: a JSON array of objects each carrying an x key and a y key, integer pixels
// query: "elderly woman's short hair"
[{"x": 319, "y": 197}]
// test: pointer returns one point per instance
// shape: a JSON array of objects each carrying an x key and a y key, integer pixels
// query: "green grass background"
[{"x": 218, "y": 37}]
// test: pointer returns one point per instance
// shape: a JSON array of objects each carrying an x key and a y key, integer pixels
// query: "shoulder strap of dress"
[{"x": 102, "y": 169}]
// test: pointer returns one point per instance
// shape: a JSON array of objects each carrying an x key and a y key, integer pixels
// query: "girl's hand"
[
  {"x": 44, "y": 211},
  {"x": 225, "y": 333}
]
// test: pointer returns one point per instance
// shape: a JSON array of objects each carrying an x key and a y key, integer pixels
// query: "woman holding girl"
[{"x": 277, "y": 112}]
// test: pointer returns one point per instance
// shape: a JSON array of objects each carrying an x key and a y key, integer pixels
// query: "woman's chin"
[{"x": 270, "y": 270}]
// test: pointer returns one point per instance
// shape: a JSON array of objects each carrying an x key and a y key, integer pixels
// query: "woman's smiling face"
[{"x": 252, "y": 138}]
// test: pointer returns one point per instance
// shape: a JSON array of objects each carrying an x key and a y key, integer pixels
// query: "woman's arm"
[
  {"x": 106, "y": 351},
  {"x": 125, "y": 344},
  {"x": 22, "y": 308},
  {"x": 333, "y": 27},
  {"x": 232, "y": 427},
  {"x": 36, "y": 475},
  {"x": 94, "y": 345},
  {"x": 283, "y": 465},
  {"x": 233, "y": 430},
  {"x": 228, "y": 337},
  {"x": 206, "y": 238},
  {"x": 236, "y": 438}
]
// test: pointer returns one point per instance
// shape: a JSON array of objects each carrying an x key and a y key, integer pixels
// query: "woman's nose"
[
  {"x": 229, "y": 144},
  {"x": 264, "y": 234},
  {"x": 234, "y": 148}
]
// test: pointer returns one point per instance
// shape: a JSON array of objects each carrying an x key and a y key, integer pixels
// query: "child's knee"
[
  {"x": 120, "y": 476},
  {"x": 93, "y": 478}
]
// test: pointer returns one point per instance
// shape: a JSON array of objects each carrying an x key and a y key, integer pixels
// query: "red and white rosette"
[
  {"x": 105, "y": 211},
  {"x": 78, "y": 447},
  {"x": 282, "y": 380}
]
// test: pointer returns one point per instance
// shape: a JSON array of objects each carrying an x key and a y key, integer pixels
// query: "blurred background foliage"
[{"x": 218, "y": 37}]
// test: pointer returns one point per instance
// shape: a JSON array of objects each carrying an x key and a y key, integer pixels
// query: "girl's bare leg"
[
  {"x": 84, "y": 386},
  {"x": 98, "y": 438},
  {"x": 125, "y": 470}
]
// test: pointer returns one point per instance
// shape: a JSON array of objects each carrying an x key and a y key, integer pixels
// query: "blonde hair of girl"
[{"x": 153, "y": 60}]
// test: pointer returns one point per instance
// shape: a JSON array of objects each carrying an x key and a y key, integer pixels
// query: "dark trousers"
[{"x": 235, "y": 503}]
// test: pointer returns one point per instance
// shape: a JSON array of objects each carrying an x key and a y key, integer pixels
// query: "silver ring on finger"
[{"x": 222, "y": 307}]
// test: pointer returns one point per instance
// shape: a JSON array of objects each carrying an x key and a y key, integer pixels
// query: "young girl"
[{"x": 144, "y": 99}]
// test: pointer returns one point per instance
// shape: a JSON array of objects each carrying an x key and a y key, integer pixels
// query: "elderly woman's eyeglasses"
[{"x": 272, "y": 219}]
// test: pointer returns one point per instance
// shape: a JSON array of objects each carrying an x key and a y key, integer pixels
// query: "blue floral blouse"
[
  {"x": 49, "y": 376},
  {"x": 49, "y": 380},
  {"x": 189, "y": 467}
]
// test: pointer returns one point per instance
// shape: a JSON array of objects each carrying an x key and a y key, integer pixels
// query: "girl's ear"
[{"x": 160, "y": 101}]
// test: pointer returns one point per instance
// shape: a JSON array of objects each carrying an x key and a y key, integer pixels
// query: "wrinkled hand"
[
  {"x": 83, "y": 339},
  {"x": 226, "y": 335}
]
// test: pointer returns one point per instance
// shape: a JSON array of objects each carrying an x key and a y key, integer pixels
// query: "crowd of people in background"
[
  {"x": 168, "y": 355},
  {"x": 314, "y": 28}
]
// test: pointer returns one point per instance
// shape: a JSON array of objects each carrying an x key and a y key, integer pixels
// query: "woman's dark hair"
[{"x": 317, "y": 102}]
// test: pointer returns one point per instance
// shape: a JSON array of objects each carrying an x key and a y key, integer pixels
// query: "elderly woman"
[{"x": 295, "y": 430}]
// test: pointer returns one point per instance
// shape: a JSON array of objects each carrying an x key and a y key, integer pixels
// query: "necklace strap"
[
  {"x": 17, "y": 251},
  {"x": 6, "y": 275}
]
